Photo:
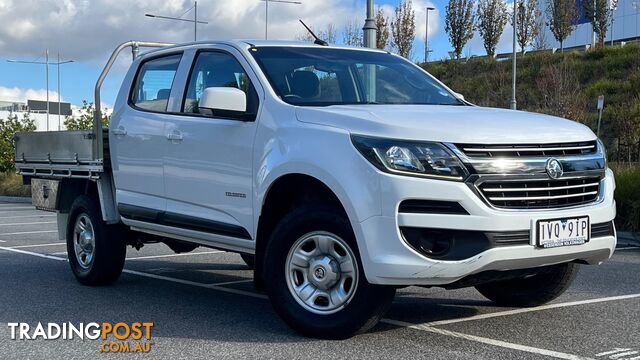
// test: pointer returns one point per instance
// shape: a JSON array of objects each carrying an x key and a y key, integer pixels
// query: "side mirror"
[
  {"x": 223, "y": 100},
  {"x": 458, "y": 96}
]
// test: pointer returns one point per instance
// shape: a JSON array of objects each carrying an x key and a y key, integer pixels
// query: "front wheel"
[
  {"x": 96, "y": 250},
  {"x": 314, "y": 276},
  {"x": 534, "y": 290}
]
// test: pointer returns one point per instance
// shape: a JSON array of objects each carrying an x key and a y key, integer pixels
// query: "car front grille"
[
  {"x": 528, "y": 150},
  {"x": 540, "y": 193}
]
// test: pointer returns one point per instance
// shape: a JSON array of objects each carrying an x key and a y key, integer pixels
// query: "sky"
[{"x": 86, "y": 31}]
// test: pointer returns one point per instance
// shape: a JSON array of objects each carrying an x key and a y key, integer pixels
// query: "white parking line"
[
  {"x": 503, "y": 344},
  {"x": 17, "y": 208},
  {"x": 2, "y": 241},
  {"x": 29, "y": 232},
  {"x": 152, "y": 276},
  {"x": 230, "y": 282},
  {"x": 60, "y": 253},
  {"x": 421, "y": 327},
  {"x": 193, "y": 283},
  {"x": 174, "y": 255},
  {"x": 628, "y": 248},
  {"x": 30, "y": 223},
  {"x": 36, "y": 245},
  {"x": 532, "y": 309}
]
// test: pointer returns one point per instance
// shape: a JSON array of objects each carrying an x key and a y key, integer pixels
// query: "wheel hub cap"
[
  {"x": 84, "y": 241},
  {"x": 324, "y": 272},
  {"x": 321, "y": 271}
]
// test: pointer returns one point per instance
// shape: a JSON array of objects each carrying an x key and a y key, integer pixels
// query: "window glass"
[
  {"x": 321, "y": 76},
  {"x": 154, "y": 82},
  {"x": 217, "y": 69}
]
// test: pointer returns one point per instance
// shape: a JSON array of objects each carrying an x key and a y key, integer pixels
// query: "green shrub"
[
  {"x": 627, "y": 196},
  {"x": 11, "y": 185}
]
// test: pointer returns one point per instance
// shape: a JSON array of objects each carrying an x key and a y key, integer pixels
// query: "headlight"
[{"x": 424, "y": 159}]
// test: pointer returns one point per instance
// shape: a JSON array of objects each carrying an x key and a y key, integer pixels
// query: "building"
[
  {"x": 37, "y": 111},
  {"x": 626, "y": 25}
]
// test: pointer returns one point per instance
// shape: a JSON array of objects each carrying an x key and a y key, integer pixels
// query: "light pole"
[
  {"x": 266, "y": 13},
  {"x": 635, "y": 5},
  {"x": 370, "y": 28},
  {"x": 426, "y": 36},
  {"x": 514, "y": 103},
  {"x": 46, "y": 72},
  {"x": 59, "y": 107},
  {"x": 195, "y": 20}
]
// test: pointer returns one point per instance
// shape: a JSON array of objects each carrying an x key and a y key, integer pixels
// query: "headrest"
[
  {"x": 163, "y": 94},
  {"x": 221, "y": 79},
  {"x": 305, "y": 84}
]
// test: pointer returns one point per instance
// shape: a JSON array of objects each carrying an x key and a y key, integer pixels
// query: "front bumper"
[{"x": 389, "y": 260}]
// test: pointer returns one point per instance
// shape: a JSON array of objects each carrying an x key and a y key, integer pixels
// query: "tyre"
[
  {"x": 249, "y": 259},
  {"x": 314, "y": 276},
  {"x": 96, "y": 250},
  {"x": 534, "y": 290}
]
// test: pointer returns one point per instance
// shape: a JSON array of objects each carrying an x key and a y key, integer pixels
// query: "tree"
[
  {"x": 328, "y": 34},
  {"x": 562, "y": 15},
  {"x": 84, "y": 121},
  {"x": 8, "y": 129},
  {"x": 492, "y": 17},
  {"x": 459, "y": 24},
  {"x": 352, "y": 34},
  {"x": 529, "y": 23},
  {"x": 540, "y": 39},
  {"x": 403, "y": 28},
  {"x": 382, "y": 33},
  {"x": 599, "y": 14}
]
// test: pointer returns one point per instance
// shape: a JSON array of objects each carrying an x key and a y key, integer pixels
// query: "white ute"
[{"x": 339, "y": 174}]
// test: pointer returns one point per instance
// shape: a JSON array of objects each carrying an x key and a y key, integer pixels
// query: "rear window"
[{"x": 153, "y": 83}]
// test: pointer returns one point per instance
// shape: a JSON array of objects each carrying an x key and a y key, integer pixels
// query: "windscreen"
[{"x": 323, "y": 76}]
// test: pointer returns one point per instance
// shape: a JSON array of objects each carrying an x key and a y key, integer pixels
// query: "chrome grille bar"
[
  {"x": 517, "y": 149},
  {"x": 525, "y": 189},
  {"x": 527, "y": 198}
]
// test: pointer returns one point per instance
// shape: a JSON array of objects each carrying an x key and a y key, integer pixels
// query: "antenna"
[{"x": 318, "y": 41}]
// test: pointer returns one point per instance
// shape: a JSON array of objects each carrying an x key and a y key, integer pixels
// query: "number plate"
[{"x": 562, "y": 232}]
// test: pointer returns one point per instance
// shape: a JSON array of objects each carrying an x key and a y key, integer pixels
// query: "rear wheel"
[
  {"x": 96, "y": 250},
  {"x": 534, "y": 290},
  {"x": 314, "y": 276}
]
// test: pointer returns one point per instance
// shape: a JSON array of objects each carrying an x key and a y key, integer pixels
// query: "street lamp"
[
  {"x": 266, "y": 13},
  {"x": 46, "y": 63},
  {"x": 514, "y": 104},
  {"x": 195, "y": 20},
  {"x": 426, "y": 36},
  {"x": 59, "y": 107}
]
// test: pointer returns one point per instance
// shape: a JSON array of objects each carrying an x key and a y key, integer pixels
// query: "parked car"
[{"x": 340, "y": 174}]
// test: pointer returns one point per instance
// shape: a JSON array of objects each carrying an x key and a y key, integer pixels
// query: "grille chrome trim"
[
  {"x": 528, "y": 150},
  {"x": 525, "y": 198},
  {"x": 539, "y": 192},
  {"x": 513, "y": 177}
]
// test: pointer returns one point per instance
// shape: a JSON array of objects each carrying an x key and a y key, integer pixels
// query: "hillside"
[{"x": 566, "y": 85}]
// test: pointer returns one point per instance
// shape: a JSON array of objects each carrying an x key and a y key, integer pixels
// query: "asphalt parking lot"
[{"x": 203, "y": 305}]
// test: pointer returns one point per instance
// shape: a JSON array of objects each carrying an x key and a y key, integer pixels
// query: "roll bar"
[{"x": 97, "y": 115}]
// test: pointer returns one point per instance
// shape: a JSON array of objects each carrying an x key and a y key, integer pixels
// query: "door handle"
[
  {"x": 174, "y": 136},
  {"x": 119, "y": 131}
]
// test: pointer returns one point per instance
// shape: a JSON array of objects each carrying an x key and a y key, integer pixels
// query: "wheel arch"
[{"x": 286, "y": 193}]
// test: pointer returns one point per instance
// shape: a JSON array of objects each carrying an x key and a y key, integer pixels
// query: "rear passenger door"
[
  {"x": 208, "y": 164},
  {"x": 138, "y": 141}
]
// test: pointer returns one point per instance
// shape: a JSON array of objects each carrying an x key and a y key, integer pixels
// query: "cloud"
[
  {"x": 21, "y": 95},
  {"x": 88, "y": 30}
]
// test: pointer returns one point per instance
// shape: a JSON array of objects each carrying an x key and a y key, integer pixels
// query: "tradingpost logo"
[{"x": 132, "y": 337}]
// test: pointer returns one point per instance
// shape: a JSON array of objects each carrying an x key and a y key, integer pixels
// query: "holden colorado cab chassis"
[{"x": 339, "y": 174}]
